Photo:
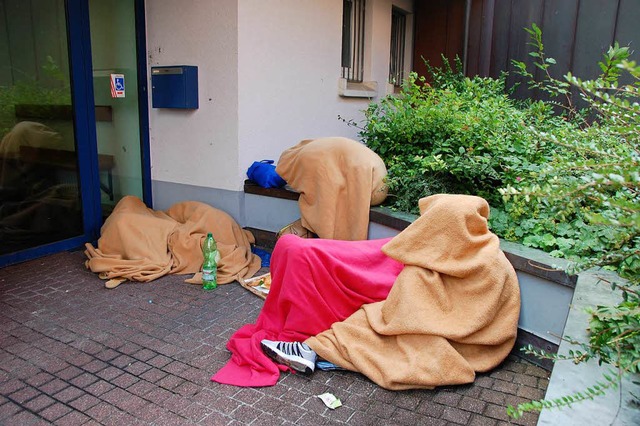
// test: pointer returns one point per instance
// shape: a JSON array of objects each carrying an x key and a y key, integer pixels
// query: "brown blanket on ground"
[
  {"x": 338, "y": 180},
  {"x": 452, "y": 311},
  {"x": 140, "y": 244}
]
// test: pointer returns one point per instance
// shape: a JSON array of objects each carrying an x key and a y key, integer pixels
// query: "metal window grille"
[
  {"x": 396, "y": 55},
  {"x": 353, "y": 40}
]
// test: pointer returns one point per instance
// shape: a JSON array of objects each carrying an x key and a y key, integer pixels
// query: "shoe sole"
[{"x": 298, "y": 366}]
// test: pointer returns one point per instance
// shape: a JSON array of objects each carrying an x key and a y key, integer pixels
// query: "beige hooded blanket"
[
  {"x": 338, "y": 180},
  {"x": 452, "y": 311},
  {"x": 140, "y": 244}
]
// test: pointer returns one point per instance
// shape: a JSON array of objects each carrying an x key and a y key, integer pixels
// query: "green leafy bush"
[
  {"x": 459, "y": 134},
  {"x": 595, "y": 191}
]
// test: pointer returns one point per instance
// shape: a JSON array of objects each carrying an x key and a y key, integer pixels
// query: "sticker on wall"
[{"x": 117, "y": 85}]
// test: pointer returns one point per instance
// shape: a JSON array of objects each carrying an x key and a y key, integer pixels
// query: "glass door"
[
  {"x": 115, "y": 87},
  {"x": 67, "y": 156},
  {"x": 40, "y": 200}
]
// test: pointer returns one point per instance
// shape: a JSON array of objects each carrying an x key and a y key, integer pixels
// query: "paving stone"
[
  {"x": 195, "y": 412},
  {"x": 11, "y": 386},
  {"x": 122, "y": 361},
  {"x": 137, "y": 368},
  {"x": 492, "y": 396},
  {"x": 407, "y": 400},
  {"x": 27, "y": 418},
  {"x": 176, "y": 403},
  {"x": 98, "y": 388},
  {"x": 24, "y": 394},
  {"x": 39, "y": 403},
  {"x": 496, "y": 412},
  {"x": 69, "y": 373},
  {"x": 534, "y": 370},
  {"x": 107, "y": 355},
  {"x": 479, "y": 420},
  {"x": 68, "y": 394},
  {"x": 111, "y": 358},
  {"x": 248, "y": 395},
  {"x": 404, "y": 417},
  {"x": 109, "y": 373},
  {"x": 215, "y": 419},
  {"x": 104, "y": 412},
  {"x": 170, "y": 382},
  {"x": 502, "y": 375},
  {"x": 382, "y": 410},
  {"x": 187, "y": 389},
  {"x": 471, "y": 404},
  {"x": 9, "y": 409},
  {"x": 455, "y": 415},
  {"x": 521, "y": 379},
  {"x": 95, "y": 366},
  {"x": 83, "y": 380},
  {"x": 144, "y": 355},
  {"x": 55, "y": 411},
  {"x": 530, "y": 393},
  {"x": 84, "y": 402},
  {"x": 72, "y": 419},
  {"x": 450, "y": 399},
  {"x": 431, "y": 409},
  {"x": 141, "y": 388},
  {"x": 160, "y": 361},
  {"x": 124, "y": 380},
  {"x": 40, "y": 379},
  {"x": 505, "y": 387},
  {"x": 129, "y": 348}
]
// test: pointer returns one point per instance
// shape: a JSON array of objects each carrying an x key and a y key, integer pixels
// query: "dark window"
[
  {"x": 396, "y": 55},
  {"x": 353, "y": 40}
]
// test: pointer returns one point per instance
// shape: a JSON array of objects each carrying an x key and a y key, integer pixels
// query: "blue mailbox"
[{"x": 174, "y": 86}]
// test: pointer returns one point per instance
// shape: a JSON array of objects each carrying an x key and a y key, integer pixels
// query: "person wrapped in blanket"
[
  {"x": 430, "y": 307},
  {"x": 338, "y": 180}
]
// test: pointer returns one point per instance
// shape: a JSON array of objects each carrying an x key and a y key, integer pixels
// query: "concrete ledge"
[
  {"x": 251, "y": 187},
  {"x": 617, "y": 406}
]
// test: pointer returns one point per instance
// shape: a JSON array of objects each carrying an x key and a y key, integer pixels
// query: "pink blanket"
[{"x": 315, "y": 283}]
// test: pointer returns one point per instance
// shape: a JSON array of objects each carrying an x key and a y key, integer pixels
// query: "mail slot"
[{"x": 174, "y": 86}]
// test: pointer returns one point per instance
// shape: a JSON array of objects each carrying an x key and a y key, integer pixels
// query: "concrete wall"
[
  {"x": 289, "y": 67},
  {"x": 196, "y": 147},
  {"x": 268, "y": 75}
]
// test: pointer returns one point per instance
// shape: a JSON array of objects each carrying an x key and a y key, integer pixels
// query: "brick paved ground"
[{"x": 73, "y": 352}]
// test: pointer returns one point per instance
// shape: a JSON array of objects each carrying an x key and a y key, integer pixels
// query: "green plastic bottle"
[{"x": 210, "y": 265}]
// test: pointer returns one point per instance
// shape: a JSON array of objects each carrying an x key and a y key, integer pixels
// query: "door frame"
[{"x": 84, "y": 124}]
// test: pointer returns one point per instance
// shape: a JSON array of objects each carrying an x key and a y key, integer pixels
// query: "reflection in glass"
[
  {"x": 113, "y": 53},
  {"x": 39, "y": 186}
]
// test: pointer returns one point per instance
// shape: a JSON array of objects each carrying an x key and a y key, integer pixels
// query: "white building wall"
[
  {"x": 289, "y": 67},
  {"x": 196, "y": 147},
  {"x": 268, "y": 78}
]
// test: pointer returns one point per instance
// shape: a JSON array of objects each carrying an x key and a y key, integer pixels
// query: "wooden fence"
[{"x": 575, "y": 33}]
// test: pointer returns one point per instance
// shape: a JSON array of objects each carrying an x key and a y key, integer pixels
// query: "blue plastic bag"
[{"x": 264, "y": 174}]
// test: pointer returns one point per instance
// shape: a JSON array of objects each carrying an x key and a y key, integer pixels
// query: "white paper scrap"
[{"x": 330, "y": 400}]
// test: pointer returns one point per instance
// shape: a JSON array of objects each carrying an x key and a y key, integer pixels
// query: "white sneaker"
[{"x": 296, "y": 355}]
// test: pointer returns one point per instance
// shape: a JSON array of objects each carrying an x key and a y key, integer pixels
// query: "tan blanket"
[
  {"x": 140, "y": 244},
  {"x": 338, "y": 180},
  {"x": 452, "y": 311}
]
